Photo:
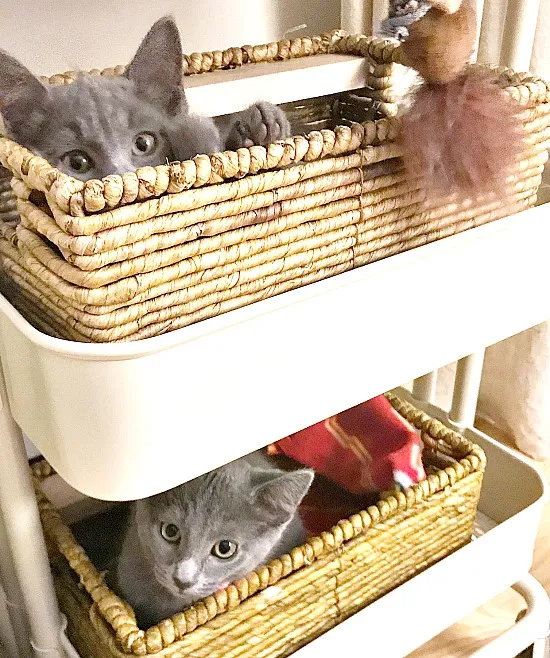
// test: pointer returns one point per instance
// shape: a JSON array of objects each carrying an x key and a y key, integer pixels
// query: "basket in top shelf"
[{"x": 134, "y": 256}]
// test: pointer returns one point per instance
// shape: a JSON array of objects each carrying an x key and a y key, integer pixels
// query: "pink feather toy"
[{"x": 462, "y": 131}]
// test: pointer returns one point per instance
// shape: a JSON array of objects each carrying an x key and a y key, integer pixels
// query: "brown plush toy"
[{"x": 462, "y": 130}]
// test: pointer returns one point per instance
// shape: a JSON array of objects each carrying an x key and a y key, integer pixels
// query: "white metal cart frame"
[{"x": 477, "y": 277}]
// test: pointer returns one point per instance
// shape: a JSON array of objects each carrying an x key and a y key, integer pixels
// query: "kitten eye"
[
  {"x": 224, "y": 549},
  {"x": 144, "y": 144},
  {"x": 170, "y": 532},
  {"x": 79, "y": 161}
]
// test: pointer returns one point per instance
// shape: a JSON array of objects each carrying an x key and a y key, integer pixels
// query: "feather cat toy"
[{"x": 462, "y": 130}]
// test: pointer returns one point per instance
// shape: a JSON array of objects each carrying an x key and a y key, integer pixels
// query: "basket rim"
[
  {"x": 80, "y": 199},
  {"x": 438, "y": 440}
]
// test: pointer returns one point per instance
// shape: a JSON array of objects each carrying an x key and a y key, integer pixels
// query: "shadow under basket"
[
  {"x": 294, "y": 599},
  {"x": 135, "y": 256}
]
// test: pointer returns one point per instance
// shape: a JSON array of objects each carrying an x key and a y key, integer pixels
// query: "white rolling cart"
[{"x": 106, "y": 415}]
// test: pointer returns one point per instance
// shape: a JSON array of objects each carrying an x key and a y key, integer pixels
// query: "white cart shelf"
[
  {"x": 509, "y": 512},
  {"x": 164, "y": 410}
]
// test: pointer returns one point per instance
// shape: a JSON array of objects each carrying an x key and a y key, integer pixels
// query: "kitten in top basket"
[
  {"x": 112, "y": 125},
  {"x": 182, "y": 545}
]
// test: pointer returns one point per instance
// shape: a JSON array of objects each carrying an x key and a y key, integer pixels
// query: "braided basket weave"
[
  {"x": 297, "y": 597},
  {"x": 134, "y": 256}
]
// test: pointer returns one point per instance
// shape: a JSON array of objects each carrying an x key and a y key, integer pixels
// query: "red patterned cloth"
[{"x": 367, "y": 448}]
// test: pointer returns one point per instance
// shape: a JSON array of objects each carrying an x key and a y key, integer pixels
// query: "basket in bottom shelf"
[{"x": 295, "y": 598}]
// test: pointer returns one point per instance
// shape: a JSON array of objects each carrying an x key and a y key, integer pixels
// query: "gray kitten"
[
  {"x": 99, "y": 126},
  {"x": 182, "y": 545}
]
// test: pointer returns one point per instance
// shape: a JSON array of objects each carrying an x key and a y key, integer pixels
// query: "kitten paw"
[{"x": 260, "y": 124}]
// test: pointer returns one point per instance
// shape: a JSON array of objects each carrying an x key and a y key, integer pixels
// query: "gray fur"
[
  {"x": 261, "y": 123},
  {"x": 402, "y": 13},
  {"x": 248, "y": 502},
  {"x": 102, "y": 117}
]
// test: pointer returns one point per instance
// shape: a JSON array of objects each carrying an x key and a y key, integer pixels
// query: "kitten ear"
[
  {"x": 279, "y": 496},
  {"x": 157, "y": 67},
  {"x": 21, "y": 92}
]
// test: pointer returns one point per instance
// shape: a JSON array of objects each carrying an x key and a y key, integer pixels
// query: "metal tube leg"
[
  {"x": 12, "y": 591},
  {"x": 25, "y": 539},
  {"x": 424, "y": 387},
  {"x": 519, "y": 34},
  {"x": 466, "y": 390},
  {"x": 533, "y": 625},
  {"x": 8, "y": 645},
  {"x": 356, "y": 16}
]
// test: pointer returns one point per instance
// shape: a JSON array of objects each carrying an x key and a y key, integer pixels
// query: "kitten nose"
[
  {"x": 118, "y": 165},
  {"x": 186, "y": 574}
]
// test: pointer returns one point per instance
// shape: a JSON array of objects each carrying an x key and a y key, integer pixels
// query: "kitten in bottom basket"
[
  {"x": 112, "y": 125},
  {"x": 182, "y": 545}
]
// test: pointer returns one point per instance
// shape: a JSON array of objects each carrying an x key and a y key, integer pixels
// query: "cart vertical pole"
[
  {"x": 466, "y": 390},
  {"x": 23, "y": 535}
]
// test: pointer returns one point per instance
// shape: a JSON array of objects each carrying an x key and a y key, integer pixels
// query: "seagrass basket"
[
  {"x": 295, "y": 598},
  {"x": 134, "y": 256}
]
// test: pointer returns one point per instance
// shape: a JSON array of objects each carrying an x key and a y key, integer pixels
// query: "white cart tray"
[
  {"x": 510, "y": 508},
  {"x": 123, "y": 421}
]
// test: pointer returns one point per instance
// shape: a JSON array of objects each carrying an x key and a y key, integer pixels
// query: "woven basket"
[
  {"x": 294, "y": 599},
  {"x": 134, "y": 256}
]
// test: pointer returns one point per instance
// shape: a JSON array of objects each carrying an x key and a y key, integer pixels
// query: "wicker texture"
[
  {"x": 295, "y": 598},
  {"x": 134, "y": 256}
]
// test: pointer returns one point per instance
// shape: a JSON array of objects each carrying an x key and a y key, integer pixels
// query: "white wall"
[{"x": 59, "y": 35}]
